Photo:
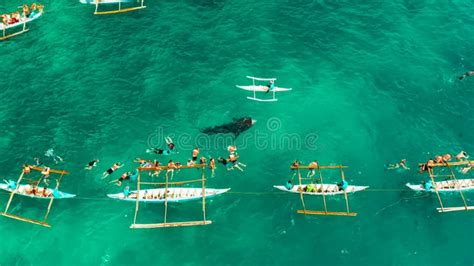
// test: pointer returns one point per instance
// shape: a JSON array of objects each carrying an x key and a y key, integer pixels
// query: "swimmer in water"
[
  {"x": 467, "y": 74},
  {"x": 212, "y": 166},
  {"x": 312, "y": 167},
  {"x": 91, "y": 164},
  {"x": 50, "y": 153},
  {"x": 461, "y": 156},
  {"x": 402, "y": 164},
  {"x": 111, "y": 170}
]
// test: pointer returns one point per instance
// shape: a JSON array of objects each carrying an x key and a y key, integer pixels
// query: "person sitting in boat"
[
  {"x": 289, "y": 185},
  {"x": 26, "y": 11},
  {"x": 31, "y": 190},
  {"x": 342, "y": 185},
  {"x": 467, "y": 168},
  {"x": 92, "y": 164},
  {"x": 401, "y": 164},
  {"x": 428, "y": 185},
  {"x": 462, "y": 156},
  {"x": 33, "y": 10},
  {"x": 11, "y": 184},
  {"x": 270, "y": 86},
  {"x": 126, "y": 192},
  {"x": 195, "y": 154},
  {"x": 46, "y": 193},
  {"x": 312, "y": 166},
  {"x": 111, "y": 169},
  {"x": 310, "y": 188},
  {"x": 15, "y": 18},
  {"x": 446, "y": 157},
  {"x": 235, "y": 163}
]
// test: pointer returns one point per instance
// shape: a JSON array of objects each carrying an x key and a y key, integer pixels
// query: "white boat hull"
[
  {"x": 23, "y": 188},
  {"x": 21, "y": 22},
  {"x": 261, "y": 88},
  {"x": 322, "y": 189},
  {"x": 446, "y": 186},
  {"x": 175, "y": 194}
]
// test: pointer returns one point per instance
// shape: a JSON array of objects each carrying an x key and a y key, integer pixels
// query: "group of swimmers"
[
  {"x": 443, "y": 159},
  {"x": 27, "y": 12}
]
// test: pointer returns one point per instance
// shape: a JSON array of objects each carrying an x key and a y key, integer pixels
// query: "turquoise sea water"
[{"x": 373, "y": 82}]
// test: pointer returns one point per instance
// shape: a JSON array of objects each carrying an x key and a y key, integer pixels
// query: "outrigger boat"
[
  {"x": 25, "y": 190},
  {"x": 169, "y": 194},
  {"x": 97, "y": 3},
  {"x": 446, "y": 186},
  {"x": 262, "y": 88},
  {"x": 174, "y": 194},
  {"x": 23, "y": 22},
  {"x": 322, "y": 189},
  {"x": 16, "y": 188},
  {"x": 452, "y": 184}
]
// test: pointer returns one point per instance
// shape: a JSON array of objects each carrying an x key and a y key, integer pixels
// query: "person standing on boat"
[
  {"x": 111, "y": 169},
  {"x": 92, "y": 164},
  {"x": 126, "y": 192}
]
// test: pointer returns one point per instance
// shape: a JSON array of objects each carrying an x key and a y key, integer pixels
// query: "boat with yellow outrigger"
[
  {"x": 441, "y": 182},
  {"x": 317, "y": 187}
]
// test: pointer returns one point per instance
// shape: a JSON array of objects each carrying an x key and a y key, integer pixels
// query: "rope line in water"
[{"x": 256, "y": 193}]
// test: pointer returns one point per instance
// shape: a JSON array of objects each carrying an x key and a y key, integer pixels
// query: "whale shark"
[{"x": 237, "y": 126}]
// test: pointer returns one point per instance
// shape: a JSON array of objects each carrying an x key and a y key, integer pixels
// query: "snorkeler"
[
  {"x": 50, "y": 153},
  {"x": 462, "y": 155},
  {"x": 402, "y": 164},
  {"x": 111, "y": 170},
  {"x": 91, "y": 164},
  {"x": 467, "y": 74},
  {"x": 312, "y": 166}
]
